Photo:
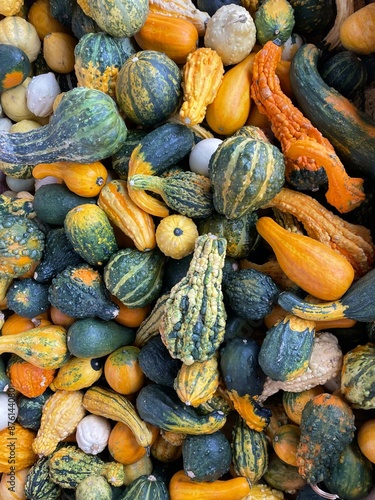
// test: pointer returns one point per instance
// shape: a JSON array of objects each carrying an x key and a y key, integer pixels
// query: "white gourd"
[
  {"x": 5, "y": 124},
  {"x": 201, "y": 153},
  {"x": 231, "y": 32},
  {"x": 92, "y": 434},
  {"x": 41, "y": 93},
  {"x": 8, "y": 410}
]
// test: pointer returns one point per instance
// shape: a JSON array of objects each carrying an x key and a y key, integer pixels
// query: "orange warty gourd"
[
  {"x": 21, "y": 439},
  {"x": 316, "y": 268},
  {"x": 28, "y": 379}
]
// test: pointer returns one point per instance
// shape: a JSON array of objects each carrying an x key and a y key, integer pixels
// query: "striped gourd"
[
  {"x": 150, "y": 104},
  {"x": 245, "y": 174},
  {"x": 249, "y": 451},
  {"x": 39, "y": 485},
  {"x": 135, "y": 277},
  {"x": 110, "y": 404},
  {"x": 146, "y": 488},
  {"x": 195, "y": 384}
]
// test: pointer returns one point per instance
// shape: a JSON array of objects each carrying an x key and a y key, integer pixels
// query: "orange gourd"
[
  {"x": 28, "y": 379},
  {"x": 122, "y": 370},
  {"x": 229, "y": 110},
  {"x": 174, "y": 36},
  {"x": 15, "y": 448},
  {"x": 39, "y": 15},
  {"x": 12, "y": 485},
  {"x": 130, "y": 317},
  {"x": 123, "y": 446},
  {"x": 58, "y": 51},
  {"x": 285, "y": 443},
  {"x": 18, "y": 324},
  {"x": 60, "y": 318},
  {"x": 366, "y": 439},
  {"x": 83, "y": 179},
  {"x": 316, "y": 268},
  {"x": 357, "y": 32}
]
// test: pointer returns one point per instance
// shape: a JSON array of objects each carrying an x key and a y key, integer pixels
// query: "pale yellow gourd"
[
  {"x": 16, "y": 31},
  {"x": 10, "y": 7}
]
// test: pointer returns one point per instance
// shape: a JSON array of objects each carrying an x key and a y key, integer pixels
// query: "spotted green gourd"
[
  {"x": 274, "y": 19},
  {"x": 193, "y": 323},
  {"x": 39, "y": 485}
]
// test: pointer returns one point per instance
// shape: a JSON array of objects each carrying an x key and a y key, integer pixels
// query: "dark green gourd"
[
  {"x": 4, "y": 379},
  {"x": 120, "y": 160},
  {"x": 30, "y": 410},
  {"x": 146, "y": 487},
  {"x": 27, "y": 298},
  {"x": 85, "y": 127},
  {"x": 38, "y": 485}
]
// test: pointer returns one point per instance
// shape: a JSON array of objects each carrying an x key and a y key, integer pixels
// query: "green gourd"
[
  {"x": 15, "y": 66},
  {"x": 27, "y": 298},
  {"x": 274, "y": 19},
  {"x": 95, "y": 488},
  {"x": 38, "y": 485},
  {"x": 146, "y": 488}
]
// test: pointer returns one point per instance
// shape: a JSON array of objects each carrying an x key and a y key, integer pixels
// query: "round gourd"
[
  {"x": 29, "y": 380},
  {"x": 93, "y": 487},
  {"x": 366, "y": 439},
  {"x": 146, "y": 486},
  {"x": 122, "y": 370},
  {"x": 40, "y": 16},
  {"x": 148, "y": 105},
  {"x": 313, "y": 18},
  {"x": 274, "y": 19},
  {"x": 16, "y": 31},
  {"x": 58, "y": 51},
  {"x": 285, "y": 443},
  {"x": 20, "y": 455},
  {"x": 294, "y": 402},
  {"x": 231, "y": 33},
  {"x": 12, "y": 485},
  {"x": 201, "y": 153},
  {"x": 30, "y": 410},
  {"x": 123, "y": 446},
  {"x": 357, "y": 32},
  {"x": 15, "y": 66},
  {"x": 176, "y": 235},
  {"x": 92, "y": 434},
  {"x": 28, "y": 298}
]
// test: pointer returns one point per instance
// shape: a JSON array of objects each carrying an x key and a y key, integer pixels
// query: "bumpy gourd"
[
  {"x": 38, "y": 484},
  {"x": 60, "y": 416},
  {"x": 193, "y": 323}
]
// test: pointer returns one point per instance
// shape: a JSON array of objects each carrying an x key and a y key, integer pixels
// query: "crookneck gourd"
[
  {"x": 307, "y": 151},
  {"x": 193, "y": 323}
]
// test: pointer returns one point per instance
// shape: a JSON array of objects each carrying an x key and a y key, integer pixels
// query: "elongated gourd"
[
  {"x": 313, "y": 266},
  {"x": 44, "y": 346}
]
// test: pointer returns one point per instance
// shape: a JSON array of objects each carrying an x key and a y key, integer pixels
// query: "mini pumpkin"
[
  {"x": 92, "y": 434},
  {"x": 176, "y": 235},
  {"x": 123, "y": 372}
]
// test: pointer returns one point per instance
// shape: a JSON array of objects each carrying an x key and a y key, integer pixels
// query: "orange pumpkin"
[
  {"x": 28, "y": 379},
  {"x": 366, "y": 439},
  {"x": 15, "y": 448},
  {"x": 123, "y": 446},
  {"x": 122, "y": 370}
]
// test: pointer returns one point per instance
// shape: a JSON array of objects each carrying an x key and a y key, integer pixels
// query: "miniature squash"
[
  {"x": 231, "y": 33},
  {"x": 122, "y": 370},
  {"x": 366, "y": 439},
  {"x": 16, "y": 31},
  {"x": 357, "y": 31},
  {"x": 60, "y": 416},
  {"x": 165, "y": 451},
  {"x": 121, "y": 20},
  {"x": 96, "y": 486},
  {"x": 294, "y": 402},
  {"x": 174, "y": 36},
  {"x": 40, "y": 16},
  {"x": 184, "y": 9},
  {"x": 206, "y": 457},
  {"x": 151, "y": 105},
  {"x": 176, "y": 235},
  {"x": 274, "y": 19},
  {"x": 17, "y": 324},
  {"x": 316, "y": 269},
  {"x": 77, "y": 373},
  {"x": 58, "y": 51},
  {"x": 28, "y": 379},
  {"x": 123, "y": 445},
  {"x": 83, "y": 179},
  {"x": 285, "y": 443},
  {"x": 30, "y": 410},
  {"x": 28, "y": 298},
  {"x": 38, "y": 484},
  {"x": 146, "y": 486},
  {"x": 41, "y": 94},
  {"x": 313, "y": 17},
  {"x": 282, "y": 476},
  {"x": 131, "y": 317},
  {"x": 12, "y": 484},
  {"x": 15, "y": 443},
  {"x": 11, "y": 7},
  {"x": 92, "y": 434}
]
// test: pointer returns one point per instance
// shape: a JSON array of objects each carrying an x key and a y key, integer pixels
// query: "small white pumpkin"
[
  {"x": 201, "y": 153},
  {"x": 8, "y": 410},
  {"x": 231, "y": 32},
  {"x": 41, "y": 93},
  {"x": 92, "y": 434}
]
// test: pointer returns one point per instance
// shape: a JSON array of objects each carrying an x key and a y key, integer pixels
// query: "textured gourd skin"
[
  {"x": 69, "y": 465},
  {"x": 135, "y": 277},
  {"x": 58, "y": 254},
  {"x": 249, "y": 451},
  {"x": 327, "y": 427},
  {"x": 27, "y": 297},
  {"x": 160, "y": 406},
  {"x": 85, "y": 127},
  {"x": 146, "y": 487},
  {"x": 38, "y": 484},
  {"x": 21, "y": 439},
  {"x": 30, "y": 410},
  {"x": 77, "y": 373},
  {"x": 245, "y": 174},
  {"x": 96, "y": 486},
  {"x": 274, "y": 19},
  {"x": 79, "y": 292},
  {"x": 193, "y": 323}
]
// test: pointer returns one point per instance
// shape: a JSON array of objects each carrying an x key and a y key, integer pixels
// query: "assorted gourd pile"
[{"x": 187, "y": 262}]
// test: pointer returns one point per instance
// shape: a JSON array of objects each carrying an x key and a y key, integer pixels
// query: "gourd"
[
  {"x": 206, "y": 457},
  {"x": 98, "y": 58},
  {"x": 121, "y": 20},
  {"x": 151, "y": 105},
  {"x": 283, "y": 476},
  {"x": 201, "y": 78},
  {"x": 28, "y": 379},
  {"x": 131, "y": 318},
  {"x": 9, "y": 409},
  {"x": 249, "y": 451},
  {"x": 4, "y": 379},
  {"x": 27, "y": 298},
  {"x": 350, "y": 131},
  {"x": 58, "y": 51},
  {"x": 313, "y": 17},
  {"x": 196, "y": 384},
  {"x": 231, "y": 33},
  {"x": 182, "y": 9},
  {"x": 245, "y": 174},
  {"x": 23, "y": 245},
  {"x": 274, "y": 19},
  {"x": 15, "y": 442},
  {"x": 365, "y": 439},
  {"x": 15, "y": 67},
  {"x": 176, "y": 235},
  {"x": 187, "y": 193},
  {"x": 146, "y": 486},
  {"x": 44, "y": 346},
  {"x": 95, "y": 338},
  {"x": 164, "y": 451},
  {"x": 82, "y": 23},
  {"x": 30, "y": 410},
  {"x": 57, "y": 255},
  {"x": 174, "y": 36},
  {"x": 356, "y": 377},
  {"x": 327, "y": 427},
  {"x": 135, "y": 277},
  {"x": 123, "y": 372},
  {"x": 76, "y": 374},
  {"x": 60, "y": 416},
  {"x": 16, "y": 31},
  {"x": 185, "y": 319},
  {"x": 123, "y": 446},
  {"x": 109, "y": 404},
  {"x": 256, "y": 416},
  {"x": 317, "y": 269},
  {"x": 143, "y": 467},
  {"x": 120, "y": 160},
  {"x": 41, "y": 93},
  {"x": 79, "y": 291},
  {"x": 156, "y": 362},
  {"x": 38, "y": 484},
  {"x": 231, "y": 106},
  {"x": 201, "y": 153},
  {"x": 96, "y": 486},
  {"x": 120, "y": 209},
  {"x": 40, "y": 16},
  {"x": 83, "y": 179},
  {"x": 355, "y": 304},
  {"x": 91, "y": 234},
  {"x": 69, "y": 465},
  {"x": 294, "y": 402},
  {"x": 12, "y": 485},
  {"x": 74, "y": 132},
  {"x": 11, "y": 7},
  {"x": 160, "y": 406},
  {"x": 356, "y": 31},
  {"x": 92, "y": 434},
  {"x": 285, "y": 443}
]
